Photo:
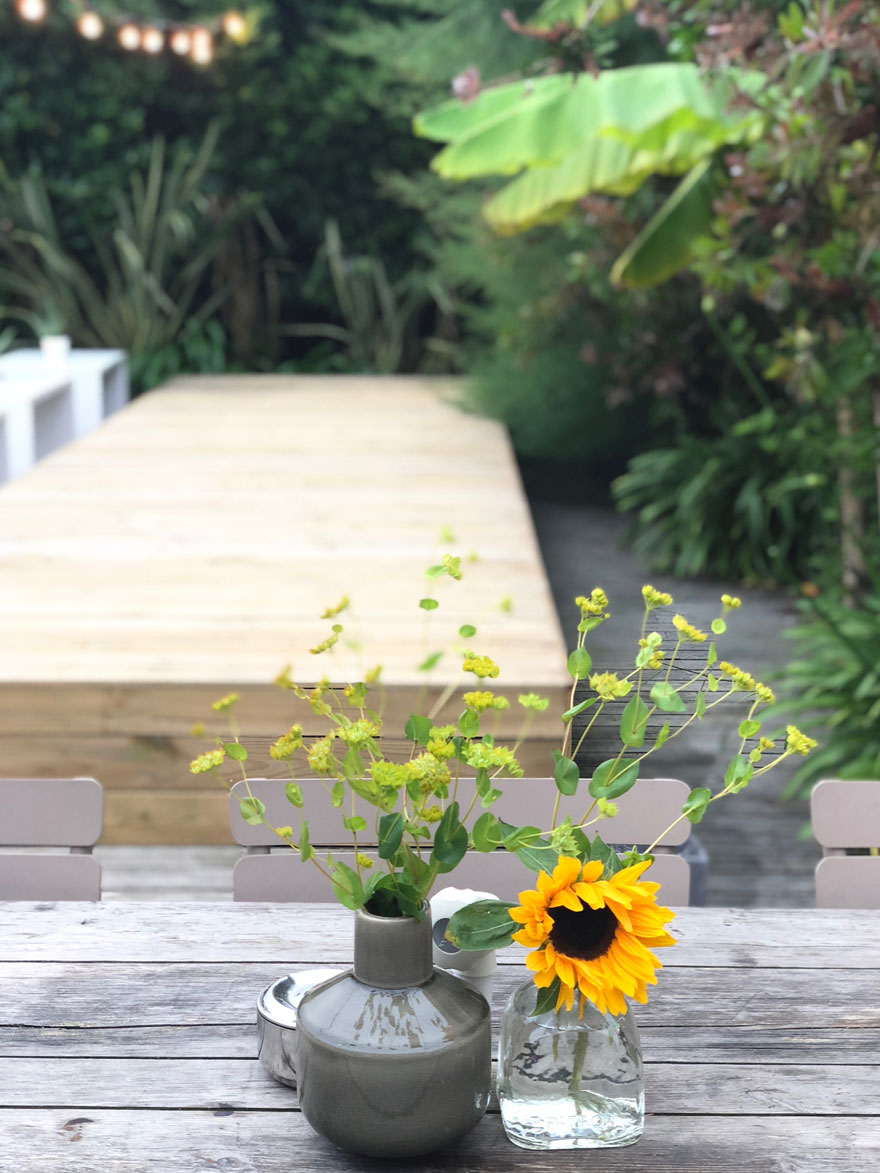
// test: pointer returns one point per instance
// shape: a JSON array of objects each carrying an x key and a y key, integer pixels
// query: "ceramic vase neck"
[{"x": 391, "y": 953}]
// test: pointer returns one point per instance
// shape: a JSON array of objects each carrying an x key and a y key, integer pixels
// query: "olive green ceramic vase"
[{"x": 393, "y": 1059}]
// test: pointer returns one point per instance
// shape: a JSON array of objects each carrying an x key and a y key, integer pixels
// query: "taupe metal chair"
[
  {"x": 846, "y": 817},
  {"x": 50, "y": 812},
  {"x": 643, "y": 813}
]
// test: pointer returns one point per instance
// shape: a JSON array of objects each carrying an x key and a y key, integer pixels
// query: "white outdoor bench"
[{"x": 99, "y": 380}]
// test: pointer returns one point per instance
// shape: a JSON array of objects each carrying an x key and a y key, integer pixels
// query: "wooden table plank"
[
  {"x": 160, "y": 932},
  {"x": 121, "y": 994},
  {"x": 188, "y": 547},
  {"x": 266, "y": 1142},
  {"x": 677, "y": 1089}
]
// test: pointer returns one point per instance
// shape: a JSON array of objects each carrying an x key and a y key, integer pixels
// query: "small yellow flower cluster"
[
  {"x": 432, "y": 775},
  {"x": 225, "y": 703},
  {"x": 481, "y": 701},
  {"x": 284, "y": 680},
  {"x": 439, "y": 748},
  {"x": 287, "y": 744},
  {"x": 654, "y": 598},
  {"x": 207, "y": 761},
  {"x": 481, "y": 666},
  {"x": 688, "y": 630},
  {"x": 764, "y": 693},
  {"x": 284, "y": 832},
  {"x": 655, "y": 660},
  {"x": 321, "y": 758},
  {"x": 355, "y": 694},
  {"x": 596, "y": 604},
  {"x": 606, "y": 809},
  {"x": 797, "y": 742},
  {"x": 609, "y": 686},
  {"x": 765, "y": 743},
  {"x": 452, "y": 566},
  {"x": 741, "y": 679},
  {"x": 731, "y": 602},
  {"x": 493, "y": 757},
  {"x": 358, "y": 733},
  {"x": 563, "y": 839},
  {"x": 326, "y": 644},
  {"x": 372, "y": 676},
  {"x": 389, "y": 775},
  {"x": 363, "y": 861},
  {"x": 340, "y": 606},
  {"x": 432, "y": 814},
  {"x": 531, "y": 700},
  {"x": 316, "y": 698}
]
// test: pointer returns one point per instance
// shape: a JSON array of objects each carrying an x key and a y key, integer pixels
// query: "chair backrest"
[
  {"x": 50, "y": 812},
  {"x": 643, "y": 813},
  {"x": 846, "y": 817}
]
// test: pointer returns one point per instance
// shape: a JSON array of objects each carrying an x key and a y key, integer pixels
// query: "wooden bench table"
[{"x": 127, "y": 1043}]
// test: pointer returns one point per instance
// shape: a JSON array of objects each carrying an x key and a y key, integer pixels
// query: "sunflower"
[{"x": 593, "y": 934}]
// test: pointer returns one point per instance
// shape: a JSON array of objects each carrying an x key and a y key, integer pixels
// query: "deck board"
[{"x": 189, "y": 545}]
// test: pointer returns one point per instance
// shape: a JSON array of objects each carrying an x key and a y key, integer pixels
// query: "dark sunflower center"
[{"x": 586, "y": 934}]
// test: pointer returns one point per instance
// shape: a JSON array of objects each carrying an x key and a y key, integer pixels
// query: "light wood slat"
[
  {"x": 210, "y": 1084},
  {"x": 181, "y": 1142},
  {"x": 115, "y": 995},
  {"x": 691, "y": 1043},
  {"x": 182, "y": 931}
]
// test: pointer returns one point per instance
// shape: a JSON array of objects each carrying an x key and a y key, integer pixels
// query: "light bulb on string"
[
  {"x": 152, "y": 40},
  {"x": 234, "y": 26},
  {"x": 129, "y": 36},
  {"x": 180, "y": 42},
  {"x": 90, "y": 25},
  {"x": 202, "y": 50},
  {"x": 32, "y": 10}
]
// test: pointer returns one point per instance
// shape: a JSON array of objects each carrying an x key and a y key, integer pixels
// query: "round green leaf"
[
  {"x": 428, "y": 604},
  {"x": 579, "y": 664},
  {"x": 467, "y": 630}
]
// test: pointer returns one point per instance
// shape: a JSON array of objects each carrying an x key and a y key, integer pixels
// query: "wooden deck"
[{"x": 188, "y": 547}]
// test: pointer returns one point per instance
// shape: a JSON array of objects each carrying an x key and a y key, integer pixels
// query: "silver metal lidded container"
[{"x": 276, "y": 1020}]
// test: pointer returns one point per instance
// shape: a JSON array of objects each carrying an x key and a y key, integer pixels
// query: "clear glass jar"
[{"x": 566, "y": 1082}]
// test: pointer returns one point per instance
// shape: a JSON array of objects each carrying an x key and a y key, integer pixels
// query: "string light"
[
  {"x": 90, "y": 25},
  {"x": 202, "y": 50},
  {"x": 129, "y": 36},
  {"x": 180, "y": 42},
  {"x": 152, "y": 40},
  {"x": 32, "y": 10},
  {"x": 194, "y": 41}
]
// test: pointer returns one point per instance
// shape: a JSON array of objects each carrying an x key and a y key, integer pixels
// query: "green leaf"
[
  {"x": 418, "y": 729},
  {"x": 696, "y": 803},
  {"x": 613, "y": 778},
  {"x": 354, "y": 823},
  {"x": 435, "y": 571},
  {"x": 489, "y": 797},
  {"x": 485, "y": 924},
  {"x": 467, "y": 630},
  {"x": 566, "y": 773},
  {"x": 450, "y": 840},
  {"x": 738, "y": 774},
  {"x": 700, "y": 705},
  {"x": 469, "y": 723},
  {"x": 537, "y": 856},
  {"x": 589, "y": 622},
  {"x": 607, "y": 856},
  {"x": 579, "y": 663},
  {"x": 712, "y": 682},
  {"x": 634, "y": 722},
  {"x": 252, "y": 810},
  {"x": 570, "y": 713},
  {"x": 347, "y": 886},
  {"x": 236, "y": 751},
  {"x": 521, "y": 837},
  {"x": 486, "y": 833},
  {"x": 662, "y": 736},
  {"x": 293, "y": 794},
  {"x": 711, "y": 656},
  {"x": 428, "y": 604},
  {"x": 667, "y": 242},
  {"x": 667, "y": 699},
  {"x": 719, "y": 626},
  {"x": 749, "y": 728},
  {"x": 545, "y": 1002},
  {"x": 306, "y": 851},
  {"x": 431, "y": 661},
  {"x": 337, "y": 794},
  {"x": 390, "y": 834}
]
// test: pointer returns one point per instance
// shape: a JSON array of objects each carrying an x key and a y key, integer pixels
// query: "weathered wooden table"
[{"x": 127, "y": 1043}]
